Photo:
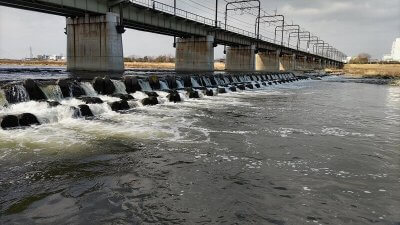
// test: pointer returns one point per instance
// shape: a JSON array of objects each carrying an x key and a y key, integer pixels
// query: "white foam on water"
[
  {"x": 109, "y": 99},
  {"x": 100, "y": 109},
  {"x": 139, "y": 95},
  {"x": 42, "y": 111},
  {"x": 162, "y": 97},
  {"x": 166, "y": 122}
]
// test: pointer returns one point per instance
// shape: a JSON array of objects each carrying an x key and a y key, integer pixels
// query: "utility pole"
[
  {"x": 216, "y": 13},
  {"x": 174, "y": 15},
  {"x": 30, "y": 52}
]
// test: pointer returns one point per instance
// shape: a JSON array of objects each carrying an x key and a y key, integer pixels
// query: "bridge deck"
[{"x": 159, "y": 18}]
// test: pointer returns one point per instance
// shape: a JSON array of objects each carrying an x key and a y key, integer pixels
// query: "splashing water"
[
  {"x": 52, "y": 92},
  {"x": 88, "y": 88},
  {"x": 226, "y": 80},
  {"x": 195, "y": 84},
  {"x": 218, "y": 81},
  {"x": 163, "y": 85},
  {"x": 207, "y": 82},
  {"x": 119, "y": 87},
  {"x": 145, "y": 85},
  {"x": 179, "y": 84},
  {"x": 17, "y": 93},
  {"x": 3, "y": 99}
]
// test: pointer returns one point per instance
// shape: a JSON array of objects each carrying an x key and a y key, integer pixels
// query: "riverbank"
[
  {"x": 128, "y": 65},
  {"x": 387, "y": 71},
  {"x": 386, "y": 74}
]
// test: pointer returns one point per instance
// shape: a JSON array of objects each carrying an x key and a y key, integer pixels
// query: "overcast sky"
[{"x": 353, "y": 26}]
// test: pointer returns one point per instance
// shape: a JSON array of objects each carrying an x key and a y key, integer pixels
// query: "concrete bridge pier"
[
  {"x": 301, "y": 62},
  {"x": 267, "y": 61},
  {"x": 318, "y": 64},
  {"x": 94, "y": 44},
  {"x": 309, "y": 63},
  {"x": 240, "y": 58},
  {"x": 195, "y": 54},
  {"x": 287, "y": 62},
  {"x": 323, "y": 64}
]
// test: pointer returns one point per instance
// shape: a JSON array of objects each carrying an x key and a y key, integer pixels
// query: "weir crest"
[{"x": 35, "y": 102}]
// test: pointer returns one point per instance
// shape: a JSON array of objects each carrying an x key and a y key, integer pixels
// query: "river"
[{"x": 309, "y": 152}]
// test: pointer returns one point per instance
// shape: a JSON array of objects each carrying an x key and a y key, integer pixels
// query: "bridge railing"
[
  {"x": 174, "y": 11},
  {"x": 159, "y": 6}
]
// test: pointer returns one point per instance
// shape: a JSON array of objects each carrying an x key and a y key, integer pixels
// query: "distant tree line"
[
  {"x": 365, "y": 58},
  {"x": 362, "y": 58},
  {"x": 155, "y": 59}
]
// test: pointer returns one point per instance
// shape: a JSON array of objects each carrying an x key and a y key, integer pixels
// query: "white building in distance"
[{"x": 395, "y": 55}]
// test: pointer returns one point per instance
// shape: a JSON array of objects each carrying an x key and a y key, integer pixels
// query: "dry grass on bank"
[
  {"x": 149, "y": 65},
  {"x": 128, "y": 65},
  {"x": 372, "y": 70},
  {"x": 219, "y": 66},
  {"x": 43, "y": 63}
]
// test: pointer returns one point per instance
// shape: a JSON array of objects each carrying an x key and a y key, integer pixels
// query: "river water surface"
[{"x": 308, "y": 152}]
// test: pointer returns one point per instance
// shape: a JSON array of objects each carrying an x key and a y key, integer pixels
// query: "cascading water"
[
  {"x": 88, "y": 88},
  {"x": 226, "y": 80},
  {"x": 52, "y": 92},
  {"x": 17, "y": 93},
  {"x": 163, "y": 85},
  {"x": 145, "y": 85},
  {"x": 219, "y": 81},
  {"x": 120, "y": 87},
  {"x": 179, "y": 84},
  {"x": 235, "y": 80},
  {"x": 195, "y": 84},
  {"x": 207, "y": 82},
  {"x": 3, "y": 99}
]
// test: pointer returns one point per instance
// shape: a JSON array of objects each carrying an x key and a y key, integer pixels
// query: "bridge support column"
[
  {"x": 195, "y": 54},
  {"x": 93, "y": 44},
  {"x": 240, "y": 59},
  {"x": 284, "y": 62},
  {"x": 287, "y": 62},
  {"x": 267, "y": 61},
  {"x": 323, "y": 64},
  {"x": 314, "y": 64},
  {"x": 319, "y": 64},
  {"x": 301, "y": 63}
]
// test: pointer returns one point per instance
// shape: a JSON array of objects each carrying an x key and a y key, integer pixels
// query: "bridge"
[{"x": 94, "y": 31}]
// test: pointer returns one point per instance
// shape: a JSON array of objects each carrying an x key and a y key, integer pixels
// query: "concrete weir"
[
  {"x": 83, "y": 98},
  {"x": 195, "y": 54},
  {"x": 94, "y": 44}
]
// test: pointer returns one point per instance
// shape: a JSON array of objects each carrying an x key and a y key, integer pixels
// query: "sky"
[{"x": 352, "y": 26}]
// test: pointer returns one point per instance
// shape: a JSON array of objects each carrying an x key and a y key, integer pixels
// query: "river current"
[{"x": 309, "y": 152}]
